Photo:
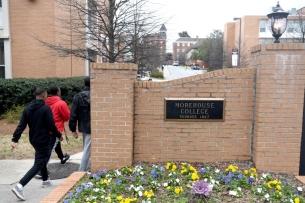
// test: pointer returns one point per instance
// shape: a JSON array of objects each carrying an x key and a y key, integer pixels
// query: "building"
[
  {"x": 181, "y": 45},
  {"x": 21, "y": 55},
  {"x": 255, "y": 30},
  {"x": 188, "y": 56}
]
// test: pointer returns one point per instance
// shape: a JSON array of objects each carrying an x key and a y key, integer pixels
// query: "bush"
[
  {"x": 21, "y": 90},
  {"x": 157, "y": 74},
  {"x": 13, "y": 115}
]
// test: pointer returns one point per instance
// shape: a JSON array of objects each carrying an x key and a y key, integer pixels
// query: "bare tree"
[
  {"x": 296, "y": 27},
  {"x": 110, "y": 29}
]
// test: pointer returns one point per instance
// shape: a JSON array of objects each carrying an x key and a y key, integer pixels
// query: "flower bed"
[{"x": 184, "y": 182}]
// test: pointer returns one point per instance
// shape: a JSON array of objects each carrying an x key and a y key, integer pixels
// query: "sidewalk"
[{"x": 11, "y": 171}]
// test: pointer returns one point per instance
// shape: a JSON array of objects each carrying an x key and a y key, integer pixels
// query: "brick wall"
[
  {"x": 29, "y": 58},
  {"x": 157, "y": 140},
  {"x": 280, "y": 76},
  {"x": 112, "y": 103},
  {"x": 263, "y": 114}
]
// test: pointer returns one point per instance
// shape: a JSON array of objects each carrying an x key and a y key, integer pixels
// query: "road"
[{"x": 179, "y": 72}]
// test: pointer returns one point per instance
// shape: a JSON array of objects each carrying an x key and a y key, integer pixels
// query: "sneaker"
[
  {"x": 46, "y": 183},
  {"x": 65, "y": 159},
  {"x": 38, "y": 175},
  {"x": 18, "y": 192}
]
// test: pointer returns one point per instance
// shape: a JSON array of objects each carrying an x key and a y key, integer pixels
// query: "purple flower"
[
  {"x": 251, "y": 179},
  {"x": 296, "y": 192},
  {"x": 283, "y": 183},
  {"x": 154, "y": 173},
  {"x": 230, "y": 175},
  {"x": 79, "y": 190},
  {"x": 201, "y": 188},
  {"x": 67, "y": 201},
  {"x": 70, "y": 195},
  {"x": 119, "y": 182},
  {"x": 143, "y": 179},
  {"x": 132, "y": 179},
  {"x": 202, "y": 170},
  {"x": 239, "y": 176}
]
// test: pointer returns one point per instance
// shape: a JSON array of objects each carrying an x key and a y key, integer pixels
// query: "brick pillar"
[
  {"x": 112, "y": 104},
  {"x": 278, "y": 112}
]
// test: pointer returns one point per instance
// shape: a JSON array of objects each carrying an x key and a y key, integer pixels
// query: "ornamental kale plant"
[{"x": 176, "y": 182}]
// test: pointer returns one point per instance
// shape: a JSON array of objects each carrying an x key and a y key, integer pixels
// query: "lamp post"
[
  {"x": 277, "y": 22},
  {"x": 239, "y": 40}
]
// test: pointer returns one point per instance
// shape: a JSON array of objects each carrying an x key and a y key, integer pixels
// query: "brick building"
[
  {"x": 255, "y": 30},
  {"x": 23, "y": 56},
  {"x": 181, "y": 45}
]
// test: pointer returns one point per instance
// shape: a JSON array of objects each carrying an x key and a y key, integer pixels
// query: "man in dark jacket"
[
  {"x": 38, "y": 116},
  {"x": 80, "y": 114}
]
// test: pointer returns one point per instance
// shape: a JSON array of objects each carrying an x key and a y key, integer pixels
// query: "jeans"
[
  {"x": 40, "y": 163},
  {"x": 85, "y": 164}
]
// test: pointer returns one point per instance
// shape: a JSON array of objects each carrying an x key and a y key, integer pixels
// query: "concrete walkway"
[{"x": 11, "y": 171}]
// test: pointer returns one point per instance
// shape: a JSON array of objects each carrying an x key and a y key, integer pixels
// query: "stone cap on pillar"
[{"x": 115, "y": 66}]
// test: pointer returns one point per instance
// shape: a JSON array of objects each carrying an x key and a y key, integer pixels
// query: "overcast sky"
[{"x": 200, "y": 17}]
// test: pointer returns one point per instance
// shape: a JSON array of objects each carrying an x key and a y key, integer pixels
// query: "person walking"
[
  {"x": 38, "y": 116},
  {"x": 80, "y": 116},
  {"x": 61, "y": 113}
]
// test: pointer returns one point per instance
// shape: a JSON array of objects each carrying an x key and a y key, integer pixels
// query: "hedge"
[{"x": 20, "y": 91}]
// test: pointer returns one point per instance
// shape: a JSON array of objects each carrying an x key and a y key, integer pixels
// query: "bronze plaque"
[{"x": 194, "y": 109}]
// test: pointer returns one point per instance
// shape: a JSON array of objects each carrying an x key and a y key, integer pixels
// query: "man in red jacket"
[{"x": 61, "y": 113}]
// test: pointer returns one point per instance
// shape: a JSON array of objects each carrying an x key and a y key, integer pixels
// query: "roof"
[
  {"x": 195, "y": 46},
  {"x": 188, "y": 39},
  {"x": 163, "y": 28}
]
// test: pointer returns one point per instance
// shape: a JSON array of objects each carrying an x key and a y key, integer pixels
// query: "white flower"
[
  {"x": 217, "y": 182},
  {"x": 239, "y": 188},
  {"x": 300, "y": 189},
  {"x": 205, "y": 180},
  {"x": 217, "y": 171},
  {"x": 291, "y": 201},
  {"x": 259, "y": 190},
  {"x": 177, "y": 180},
  {"x": 213, "y": 181},
  {"x": 141, "y": 173},
  {"x": 264, "y": 175},
  {"x": 96, "y": 189},
  {"x": 267, "y": 196},
  {"x": 118, "y": 173},
  {"x": 170, "y": 174},
  {"x": 140, "y": 193},
  {"x": 165, "y": 184},
  {"x": 234, "y": 193}
]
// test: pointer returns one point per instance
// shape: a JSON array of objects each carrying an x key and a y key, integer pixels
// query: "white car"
[{"x": 176, "y": 63}]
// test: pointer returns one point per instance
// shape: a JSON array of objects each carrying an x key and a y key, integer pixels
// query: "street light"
[
  {"x": 239, "y": 40},
  {"x": 277, "y": 22}
]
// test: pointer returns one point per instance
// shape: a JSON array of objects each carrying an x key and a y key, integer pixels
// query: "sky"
[{"x": 201, "y": 17}]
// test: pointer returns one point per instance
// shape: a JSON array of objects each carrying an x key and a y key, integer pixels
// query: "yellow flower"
[
  {"x": 168, "y": 187},
  {"x": 174, "y": 167},
  {"x": 192, "y": 168},
  {"x": 297, "y": 200},
  {"x": 148, "y": 195},
  {"x": 119, "y": 198},
  {"x": 278, "y": 187},
  {"x": 253, "y": 170},
  {"x": 269, "y": 185},
  {"x": 246, "y": 172},
  {"x": 127, "y": 200},
  {"x": 195, "y": 176},
  {"x": 105, "y": 181},
  {"x": 109, "y": 199},
  {"x": 145, "y": 193},
  {"x": 177, "y": 190},
  {"x": 167, "y": 166}
]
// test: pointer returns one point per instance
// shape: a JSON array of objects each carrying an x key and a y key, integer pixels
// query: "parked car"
[
  {"x": 176, "y": 63},
  {"x": 195, "y": 66}
]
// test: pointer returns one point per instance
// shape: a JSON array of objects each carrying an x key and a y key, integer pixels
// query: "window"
[
  {"x": 186, "y": 44},
  {"x": 2, "y": 62},
  {"x": 290, "y": 29},
  {"x": 262, "y": 26}
]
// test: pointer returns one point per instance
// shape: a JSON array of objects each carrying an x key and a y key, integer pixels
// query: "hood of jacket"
[
  {"x": 36, "y": 104},
  {"x": 52, "y": 100},
  {"x": 85, "y": 97}
]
